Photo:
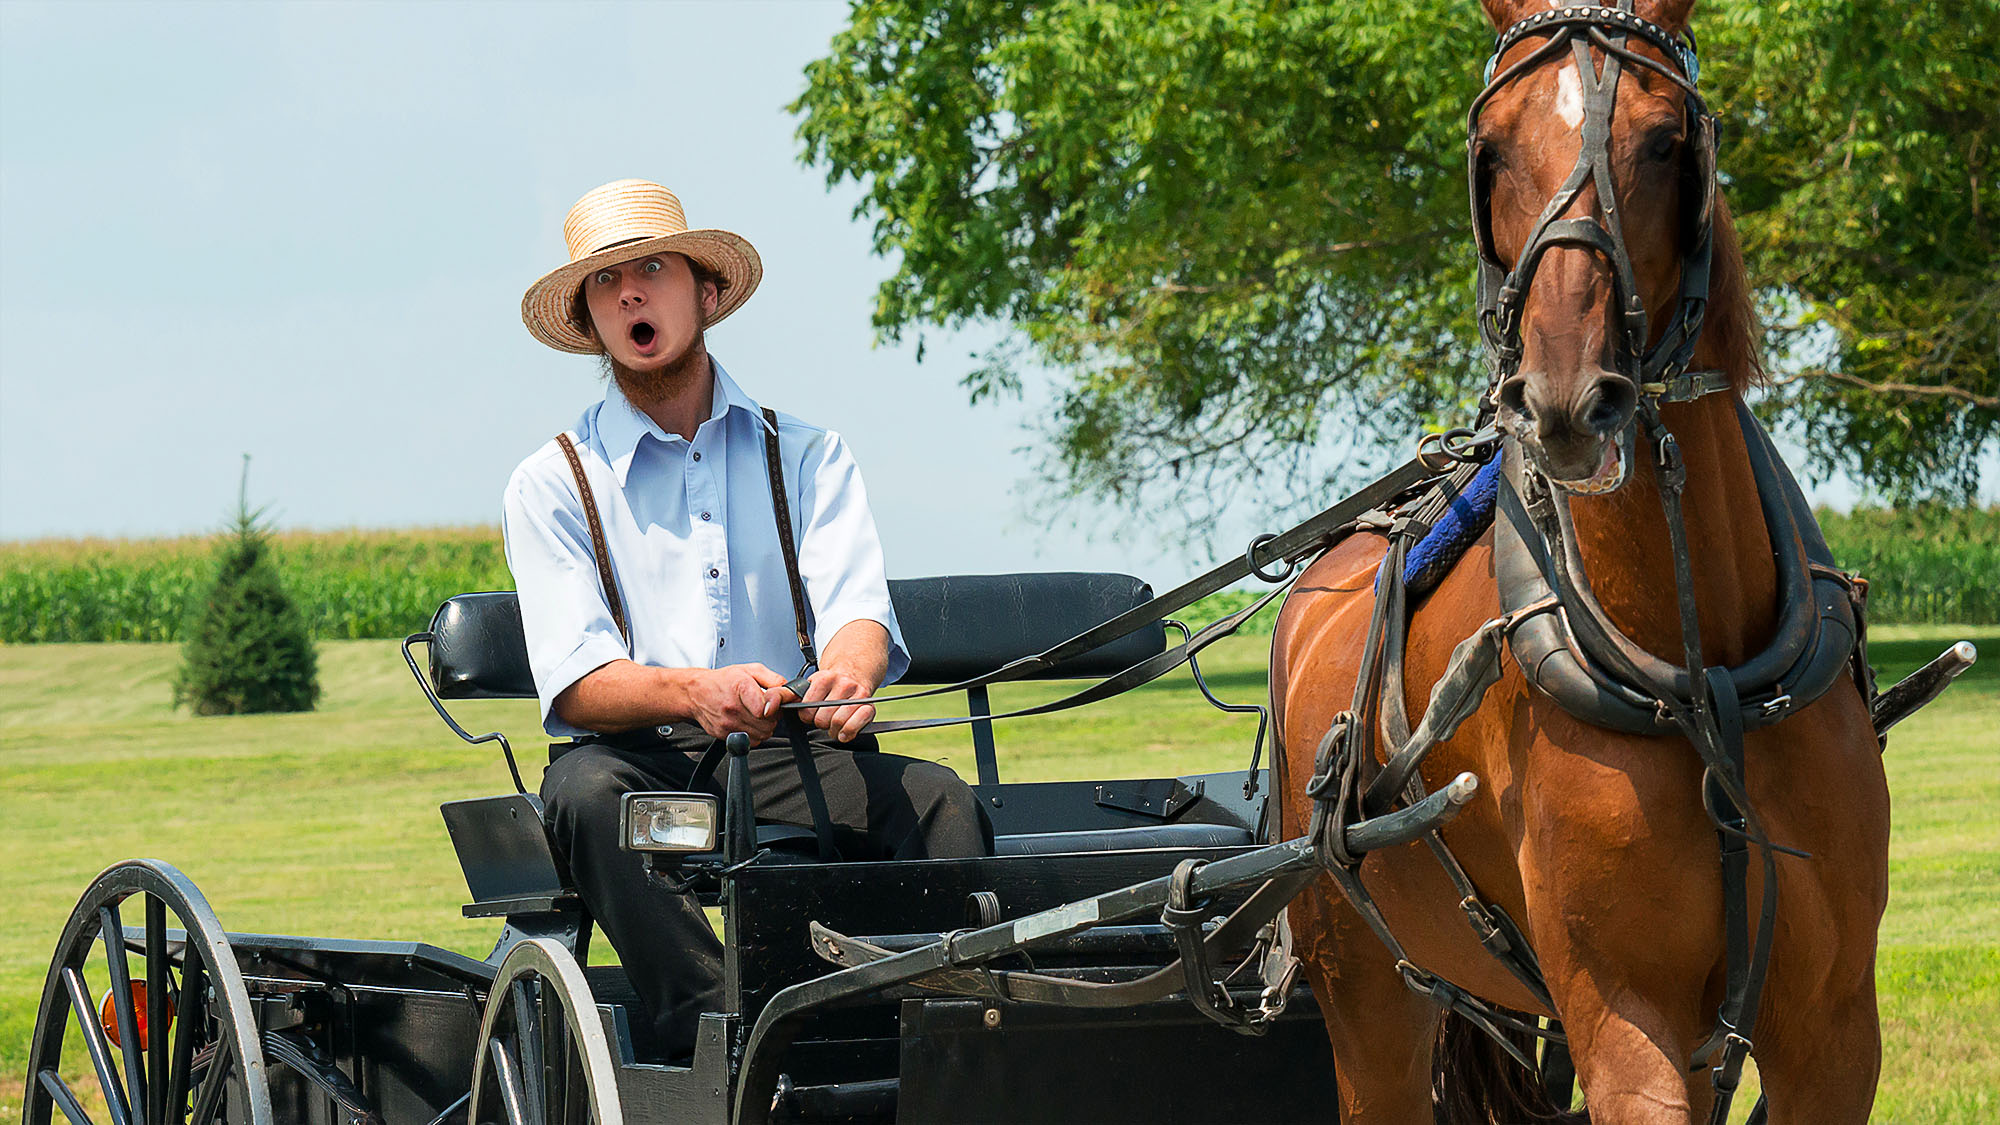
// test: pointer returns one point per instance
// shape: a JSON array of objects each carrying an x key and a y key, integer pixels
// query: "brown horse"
[{"x": 1596, "y": 841}]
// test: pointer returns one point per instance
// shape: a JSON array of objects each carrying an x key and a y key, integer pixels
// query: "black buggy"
[{"x": 1049, "y": 982}]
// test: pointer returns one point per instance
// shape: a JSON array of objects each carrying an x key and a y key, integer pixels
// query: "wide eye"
[
  {"x": 603, "y": 277},
  {"x": 653, "y": 265}
]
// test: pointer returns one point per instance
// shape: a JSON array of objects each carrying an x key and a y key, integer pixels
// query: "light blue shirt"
[{"x": 693, "y": 544}]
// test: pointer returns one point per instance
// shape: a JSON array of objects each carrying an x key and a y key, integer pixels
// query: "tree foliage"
[
  {"x": 1238, "y": 230},
  {"x": 249, "y": 650}
]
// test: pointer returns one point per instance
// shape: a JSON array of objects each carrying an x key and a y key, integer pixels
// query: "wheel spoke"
[
  {"x": 574, "y": 1108},
  {"x": 193, "y": 1018},
  {"x": 209, "y": 1100},
  {"x": 528, "y": 996},
  {"x": 95, "y": 1044},
  {"x": 159, "y": 988},
  {"x": 507, "y": 1077},
  {"x": 64, "y": 1098},
  {"x": 112, "y": 929},
  {"x": 555, "y": 1055}
]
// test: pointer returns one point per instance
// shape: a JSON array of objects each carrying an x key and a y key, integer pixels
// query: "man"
[{"x": 673, "y": 486}]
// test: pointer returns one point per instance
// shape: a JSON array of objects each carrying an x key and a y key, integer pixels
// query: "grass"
[{"x": 326, "y": 823}]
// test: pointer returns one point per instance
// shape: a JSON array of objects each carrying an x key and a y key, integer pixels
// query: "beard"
[{"x": 645, "y": 387}]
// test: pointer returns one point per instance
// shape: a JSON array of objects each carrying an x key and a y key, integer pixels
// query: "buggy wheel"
[
  {"x": 169, "y": 1037},
  {"x": 543, "y": 1058}
]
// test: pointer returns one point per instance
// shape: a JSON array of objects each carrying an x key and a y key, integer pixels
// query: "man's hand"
[
  {"x": 851, "y": 667},
  {"x": 837, "y": 683},
  {"x": 740, "y": 697}
]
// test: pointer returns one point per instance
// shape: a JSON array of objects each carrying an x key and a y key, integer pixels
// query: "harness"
[
  {"x": 1559, "y": 635},
  {"x": 1566, "y": 645}
]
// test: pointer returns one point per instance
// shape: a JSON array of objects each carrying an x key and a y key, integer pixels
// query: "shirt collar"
[{"x": 621, "y": 425}]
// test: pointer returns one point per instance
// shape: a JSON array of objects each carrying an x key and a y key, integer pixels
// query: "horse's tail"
[{"x": 1474, "y": 1081}]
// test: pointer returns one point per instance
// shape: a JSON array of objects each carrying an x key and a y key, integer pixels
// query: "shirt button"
[
  {"x": 714, "y": 573},
  {"x": 697, "y": 454},
  {"x": 721, "y": 642},
  {"x": 704, "y": 517}
]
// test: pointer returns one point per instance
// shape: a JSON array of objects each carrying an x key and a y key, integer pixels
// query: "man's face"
[{"x": 648, "y": 312}]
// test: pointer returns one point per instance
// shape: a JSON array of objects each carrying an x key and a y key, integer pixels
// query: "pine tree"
[{"x": 249, "y": 650}]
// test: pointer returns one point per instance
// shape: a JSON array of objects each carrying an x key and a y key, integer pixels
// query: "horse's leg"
[
  {"x": 1382, "y": 1033},
  {"x": 1625, "y": 914},
  {"x": 1828, "y": 1076},
  {"x": 1818, "y": 1038}
]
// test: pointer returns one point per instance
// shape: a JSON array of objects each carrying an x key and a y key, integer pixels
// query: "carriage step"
[{"x": 839, "y": 1101}]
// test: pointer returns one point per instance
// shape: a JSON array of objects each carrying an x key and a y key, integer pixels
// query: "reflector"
[{"x": 107, "y": 1014}]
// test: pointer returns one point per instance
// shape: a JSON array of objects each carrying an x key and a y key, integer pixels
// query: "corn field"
[
  {"x": 347, "y": 584},
  {"x": 1923, "y": 565}
]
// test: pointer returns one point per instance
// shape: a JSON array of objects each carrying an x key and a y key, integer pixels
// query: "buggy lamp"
[{"x": 670, "y": 822}]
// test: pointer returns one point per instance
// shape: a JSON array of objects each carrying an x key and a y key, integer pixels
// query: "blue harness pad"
[{"x": 1470, "y": 514}]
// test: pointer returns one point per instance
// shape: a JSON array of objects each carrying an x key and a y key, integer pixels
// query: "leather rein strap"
[
  {"x": 604, "y": 578},
  {"x": 1289, "y": 547}
]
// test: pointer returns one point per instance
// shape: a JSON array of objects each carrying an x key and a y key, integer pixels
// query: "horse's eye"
[{"x": 1662, "y": 147}]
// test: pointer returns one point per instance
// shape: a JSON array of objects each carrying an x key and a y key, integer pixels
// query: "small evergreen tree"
[{"x": 249, "y": 650}]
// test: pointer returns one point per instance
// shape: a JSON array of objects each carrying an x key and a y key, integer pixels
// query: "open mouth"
[
  {"x": 643, "y": 334},
  {"x": 1609, "y": 475}
]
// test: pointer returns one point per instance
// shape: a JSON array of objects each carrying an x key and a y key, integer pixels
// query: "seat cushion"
[{"x": 1125, "y": 839}]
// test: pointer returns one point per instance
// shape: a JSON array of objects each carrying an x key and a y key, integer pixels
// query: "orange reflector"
[{"x": 107, "y": 1014}]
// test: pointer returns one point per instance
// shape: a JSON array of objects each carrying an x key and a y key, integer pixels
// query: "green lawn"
[{"x": 326, "y": 823}]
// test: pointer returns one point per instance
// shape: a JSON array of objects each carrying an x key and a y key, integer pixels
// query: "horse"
[{"x": 1595, "y": 842}]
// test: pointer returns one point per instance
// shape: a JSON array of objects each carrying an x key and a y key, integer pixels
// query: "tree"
[
  {"x": 249, "y": 650},
  {"x": 1239, "y": 233}
]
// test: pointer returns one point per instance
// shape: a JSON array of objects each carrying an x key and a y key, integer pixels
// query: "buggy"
[{"x": 1043, "y": 983}]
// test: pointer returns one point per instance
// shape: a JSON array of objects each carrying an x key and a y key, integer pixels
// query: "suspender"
[
  {"x": 791, "y": 724},
  {"x": 597, "y": 546},
  {"x": 781, "y": 508},
  {"x": 774, "y": 468},
  {"x": 793, "y": 727}
]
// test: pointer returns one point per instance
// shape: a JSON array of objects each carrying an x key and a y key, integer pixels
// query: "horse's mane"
[{"x": 1732, "y": 336}]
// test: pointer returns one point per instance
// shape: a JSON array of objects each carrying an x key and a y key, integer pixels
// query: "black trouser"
[{"x": 883, "y": 806}]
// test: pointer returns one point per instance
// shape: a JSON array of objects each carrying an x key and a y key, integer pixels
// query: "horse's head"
[{"x": 1591, "y": 166}]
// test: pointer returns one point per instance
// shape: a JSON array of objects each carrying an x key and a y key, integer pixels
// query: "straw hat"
[{"x": 618, "y": 222}]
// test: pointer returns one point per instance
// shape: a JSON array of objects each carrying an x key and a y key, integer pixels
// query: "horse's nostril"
[
  {"x": 1609, "y": 404},
  {"x": 1514, "y": 398}
]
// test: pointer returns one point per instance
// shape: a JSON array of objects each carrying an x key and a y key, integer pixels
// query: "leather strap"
[
  {"x": 1292, "y": 546},
  {"x": 774, "y": 468},
  {"x": 793, "y": 728},
  {"x": 604, "y": 576}
]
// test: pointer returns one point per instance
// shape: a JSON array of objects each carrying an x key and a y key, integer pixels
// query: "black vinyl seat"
[{"x": 954, "y": 628}]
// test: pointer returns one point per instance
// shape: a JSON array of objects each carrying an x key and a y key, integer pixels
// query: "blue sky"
[{"x": 302, "y": 231}]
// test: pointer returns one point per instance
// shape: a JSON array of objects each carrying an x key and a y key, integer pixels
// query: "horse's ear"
[
  {"x": 1503, "y": 14},
  {"x": 1670, "y": 14}
]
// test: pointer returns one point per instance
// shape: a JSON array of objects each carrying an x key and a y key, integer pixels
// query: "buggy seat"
[{"x": 955, "y": 628}]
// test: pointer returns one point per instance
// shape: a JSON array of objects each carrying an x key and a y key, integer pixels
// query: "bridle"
[{"x": 1658, "y": 371}]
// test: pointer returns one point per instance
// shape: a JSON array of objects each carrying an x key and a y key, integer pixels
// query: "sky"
[{"x": 302, "y": 230}]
